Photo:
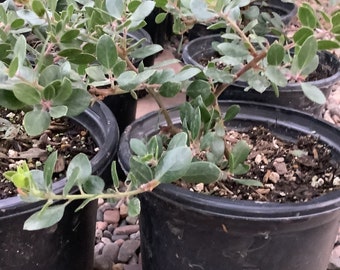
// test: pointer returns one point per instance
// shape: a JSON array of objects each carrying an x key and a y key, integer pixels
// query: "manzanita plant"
[{"x": 83, "y": 53}]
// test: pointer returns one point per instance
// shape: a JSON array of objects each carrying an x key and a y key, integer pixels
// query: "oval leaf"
[{"x": 202, "y": 172}]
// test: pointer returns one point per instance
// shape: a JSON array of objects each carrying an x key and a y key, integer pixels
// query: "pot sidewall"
[{"x": 179, "y": 228}]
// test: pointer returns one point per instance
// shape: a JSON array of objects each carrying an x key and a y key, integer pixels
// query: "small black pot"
[
  {"x": 159, "y": 32},
  {"x": 184, "y": 230},
  {"x": 290, "y": 95},
  {"x": 68, "y": 244},
  {"x": 124, "y": 106}
]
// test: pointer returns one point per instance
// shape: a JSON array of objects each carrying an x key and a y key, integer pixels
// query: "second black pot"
[
  {"x": 291, "y": 95},
  {"x": 184, "y": 230}
]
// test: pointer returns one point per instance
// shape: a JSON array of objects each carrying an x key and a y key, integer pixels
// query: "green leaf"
[
  {"x": 186, "y": 74},
  {"x": 179, "y": 140},
  {"x": 127, "y": 80},
  {"x": 155, "y": 146},
  {"x": 275, "y": 54},
  {"x": 133, "y": 207},
  {"x": 195, "y": 124},
  {"x": 138, "y": 147},
  {"x": 115, "y": 8},
  {"x": 58, "y": 111},
  {"x": 169, "y": 89},
  {"x": 20, "y": 49},
  {"x": 36, "y": 122},
  {"x": 173, "y": 164},
  {"x": 307, "y": 16},
  {"x": 78, "y": 101},
  {"x": 27, "y": 94},
  {"x": 81, "y": 162},
  {"x": 140, "y": 170},
  {"x": 313, "y": 93},
  {"x": 13, "y": 67},
  {"x": 119, "y": 68},
  {"x": 18, "y": 24},
  {"x": 8, "y": 100},
  {"x": 96, "y": 73},
  {"x": 69, "y": 35},
  {"x": 240, "y": 151},
  {"x": 241, "y": 169},
  {"x": 50, "y": 74},
  {"x": 45, "y": 218},
  {"x": 106, "y": 51},
  {"x": 202, "y": 172},
  {"x": 71, "y": 181},
  {"x": 328, "y": 45},
  {"x": 114, "y": 175},
  {"x": 200, "y": 10},
  {"x": 160, "y": 17},
  {"x": 63, "y": 91},
  {"x": 199, "y": 88},
  {"x": 143, "y": 10},
  {"x": 82, "y": 59},
  {"x": 94, "y": 185},
  {"x": 49, "y": 168},
  {"x": 70, "y": 52},
  {"x": 146, "y": 51},
  {"x": 307, "y": 52},
  {"x": 275, "y": 75},
  {"x": 232, "y": 111},
  {"x": 302, "y": 34},
  {"x": 38, "y": 8},
  {"x": 248, "y": 182}
]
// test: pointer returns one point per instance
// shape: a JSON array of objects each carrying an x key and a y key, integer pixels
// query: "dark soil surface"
[
  {"x": 290, "y": 171},
  {"x": 64, "y": 135}
]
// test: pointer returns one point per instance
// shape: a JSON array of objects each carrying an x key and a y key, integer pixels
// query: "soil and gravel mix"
[{"x": 64, "y": 135}]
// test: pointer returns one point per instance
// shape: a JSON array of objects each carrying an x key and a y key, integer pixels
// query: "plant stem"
[{"x": 117, "y": 195}]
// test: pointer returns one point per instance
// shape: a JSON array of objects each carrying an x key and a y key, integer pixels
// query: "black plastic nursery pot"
[
  {"x": 184, "y": 230},
  {"x": 290, "y": 95},
  {"x": 68, "y": 244},
  {"x": 124, "y": 106}
]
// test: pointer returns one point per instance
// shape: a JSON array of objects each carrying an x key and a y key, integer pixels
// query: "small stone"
[
  {"x": 106, "y": 240},
  {"x": 111, "y": 227},
  {"x": 280, "y": 166},
  {"x": 123, "y": 210},
  {"x": 119, "y": 242},
  {"x": 274, "y": 177},
  {"x": 106, "y": 206},
  {"x": 118, "y": 266},
  {"x": 258, "y": 159},
  {"x": 100, "y": 215},
  {"x": 101, "y": 225},
  {"x": 107, "y": 234},
  {"x": 127, "y": 229},
  {"x": 127, "y": 250},
  {"x": 135, "y": 235},
  {"x": 108, "y": 257},
  {"x": 334, "y": 262},
  {"x": 336, "y": 181},
  {"x": 98, "y": 234},
  {"x": 100, "y": 201},
  {"x": 119, "y": 236},
  {"x": 112, "y": 216},
  {"x": 131, "y": 220},
  {"x": 98, "y": 248},
  {"x": 132, "y": 267}
]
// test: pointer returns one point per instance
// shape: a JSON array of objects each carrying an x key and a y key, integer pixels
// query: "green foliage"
[{"x": 84, "y": 52}]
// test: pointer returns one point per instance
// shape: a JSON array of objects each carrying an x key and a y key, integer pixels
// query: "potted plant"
[
  {"x": 290, "y": 93},
  {"x": 36, "y": 91},
  {"x": 173, "y": 152}
]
